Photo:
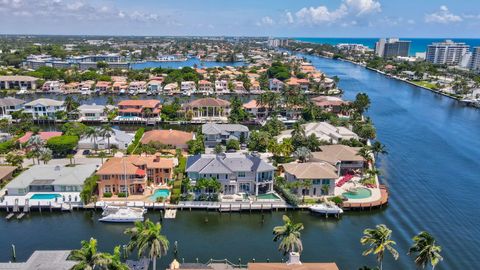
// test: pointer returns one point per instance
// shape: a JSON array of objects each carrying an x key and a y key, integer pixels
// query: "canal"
[{"x": 432, "y": 171}]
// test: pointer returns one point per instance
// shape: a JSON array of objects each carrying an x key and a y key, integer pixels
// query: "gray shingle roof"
[
  {"x": 211, "y": 128},
  {"x": 9, "y": 101},
  {"x": 226, "y": 163}
]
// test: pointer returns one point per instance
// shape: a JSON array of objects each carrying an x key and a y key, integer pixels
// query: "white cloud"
[
  {"x": 289, "y": 17},
  {"x": 82, "y": 10},
  {"x": 266, "y": 21},
  {"x": 350, "y": 12},
  {"x": 442, "y": 16}
]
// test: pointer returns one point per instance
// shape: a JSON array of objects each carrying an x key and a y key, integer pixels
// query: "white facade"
[
  {"x": 448, "y": 52},
  {"x": 44, "y": 107}
]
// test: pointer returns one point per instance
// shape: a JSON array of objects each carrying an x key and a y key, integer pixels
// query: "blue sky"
[{"x": 293, "y": 18}]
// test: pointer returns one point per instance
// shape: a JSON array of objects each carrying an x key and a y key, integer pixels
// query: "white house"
[
  {"x": 321, "y": 174},
  {"x": 9, "y": 105},
  {"x": 324, "y": 131},
  {"x": 221, "y": 86},
  {"x": 221, "y": 133},
  {"x": 93, "y": 112},
  {"x": 119, "y": 140},
  {"x": 50, "y": 178},
  {"x": 44, "y": 107}
]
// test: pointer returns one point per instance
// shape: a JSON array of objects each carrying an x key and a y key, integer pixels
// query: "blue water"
[
  {"x": 189, "y": 63},
  {"x": 47, "y": 196},
  {"x": 417, "y": 45},
  {"x": 164, "y": 193},
  {"x": 361, "y": 193}
]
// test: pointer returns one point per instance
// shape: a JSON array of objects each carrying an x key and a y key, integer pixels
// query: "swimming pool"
[
  {"x": 159, "y": 193},
  {"x": 268, "y": 196},
  {"x": 360, "y": 193},
  {"x": 47, "y": 196}
]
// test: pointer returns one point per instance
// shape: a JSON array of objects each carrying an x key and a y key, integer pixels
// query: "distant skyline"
[{"x": 300, "y": 18}]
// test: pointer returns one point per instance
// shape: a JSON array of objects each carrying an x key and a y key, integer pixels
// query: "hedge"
[
  {"x": 107, "y": 194},
  {"x": 89, "y": 188},
  {"x": 289, "y": 197},
  {"x": 62, "y": 145},
  {"x": 136, "y": 141},
  {"x": 175, "y": 197}
]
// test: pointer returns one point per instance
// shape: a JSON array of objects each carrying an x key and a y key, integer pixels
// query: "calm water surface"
[{"x": 433, "y": 173}]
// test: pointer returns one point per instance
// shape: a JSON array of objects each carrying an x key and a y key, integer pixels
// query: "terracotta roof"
[
  {"x": 284, "y": 266},
  {"x": 208, "y": 102},
  {"x": 252, "y": 104},
  {"x": 130, "y": 165},
  {"x": 328, "y": 101},
  {"x": 168, "y": 137},
  {"x": 103, "y": 84},
  {"x": 311, "y": 170},
  {"x": 43, "y": 136},
  {"x": 147, "y": 103},
  {"x": 130, "y": 110}
]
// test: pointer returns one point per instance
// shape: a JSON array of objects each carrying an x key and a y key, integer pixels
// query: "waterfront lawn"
[{"x": 426, "y": 84}]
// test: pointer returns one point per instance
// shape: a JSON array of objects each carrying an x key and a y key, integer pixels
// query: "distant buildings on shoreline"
[{"x": 392, "y": 47}]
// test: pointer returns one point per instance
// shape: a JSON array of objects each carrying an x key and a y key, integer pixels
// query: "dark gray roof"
[{"x": 226, "y": 163}]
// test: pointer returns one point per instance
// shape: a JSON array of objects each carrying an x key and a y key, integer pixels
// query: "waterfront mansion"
[
  {"x": 137, "y": 171},
  {"x": 236, "y": 172}
]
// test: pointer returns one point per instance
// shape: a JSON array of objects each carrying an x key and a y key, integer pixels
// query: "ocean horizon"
[{"x": 417, "y": 45}]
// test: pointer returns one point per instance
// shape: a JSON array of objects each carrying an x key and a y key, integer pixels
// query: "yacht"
[
  {"x": 122, "y": 215},
  {"x": 325, "y": 208}
]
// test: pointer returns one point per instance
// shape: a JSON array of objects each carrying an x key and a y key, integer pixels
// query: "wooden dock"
[{"x": 170, "y": 214}]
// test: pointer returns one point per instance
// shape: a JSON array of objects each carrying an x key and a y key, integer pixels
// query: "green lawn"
[{"x": 426, "y": 84}]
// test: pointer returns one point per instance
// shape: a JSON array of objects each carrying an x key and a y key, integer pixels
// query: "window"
[
  {"x": 241, "y": 174},
  {"x": 107, "y": 188},
  {"x": 325, "y": 181}
]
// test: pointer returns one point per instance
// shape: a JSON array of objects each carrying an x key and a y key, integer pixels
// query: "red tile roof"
[{"x": 43, "y": 136}]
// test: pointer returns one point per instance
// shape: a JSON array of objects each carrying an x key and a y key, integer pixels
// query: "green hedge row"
[
  {"x": 136, "y": 141},
  {"x": 289, "y": 197}
]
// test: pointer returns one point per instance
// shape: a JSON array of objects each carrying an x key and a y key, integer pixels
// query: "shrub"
[
  {"x": 122, "y": 194},
  {"x": 337, "y": 200},
  {"x": 289, "y": 197},
  {"x": 136, "y": 141},
  {"x": 89, "y": 188},
  {"x": 62, "y": 145},
  {"x": 107, "y": 194},
  {"x": 160, "y": 199},
  {"x": 175, "y": 196}
]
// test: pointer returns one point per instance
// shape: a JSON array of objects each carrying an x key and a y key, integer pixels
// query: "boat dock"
[
  {"x": 170, "y": 214},
  {"x": 371, "y": 205}
]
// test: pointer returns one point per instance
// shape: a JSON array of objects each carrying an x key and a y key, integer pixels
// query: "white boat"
[
  {"x": 326, "y": 209},
  {"x": 122, "y": 215},
  {"x": 132, "y": 92},
  {"x": 122, "y": 91},
  {"x": 22, "y": 92}
]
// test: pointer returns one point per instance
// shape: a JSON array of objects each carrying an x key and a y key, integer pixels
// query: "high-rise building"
[
  {"x": 447, "y": 52},
  {"x": 475, "y": 60},
  {"x": 392, "y": 47}
]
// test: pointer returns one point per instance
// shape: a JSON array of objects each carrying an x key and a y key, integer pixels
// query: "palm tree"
[
  {"x": 107, "y": 131},
  {"x": 115, "y": 260},
  {"x": 92, "y": 133},
  {"x": 427, "y": 252},
  {"x": 366, "y": 153},
  {"x": 379, "y": 240},
  {"x": 45, "y": 155},
  {"x": 289, "y": 236},
  {"x": 306, "y": 185},
  {"x": 88, "y": 257},
  {"x": 302, "y": 154},
  {"x": 378, "y": 148},
  {"x": 147, "y": 239},
  {"x": 102, "y": 155}
]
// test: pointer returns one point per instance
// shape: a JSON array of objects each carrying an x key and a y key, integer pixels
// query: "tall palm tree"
[
  {"x": 107, "y": 131},
  {"x": 88, "y": 257},
  {"x": 306, "y": 185},
  {"x": 378, "y": 148},
  {"x": 379, "y": 240},
  {"x": 289, "y": 236},
  {"x": 366, "y": 153},
  {"x": 92, "y": 133},
  {"x": 147, "y": 239},
  {"x": 303, "y": 154},
  {"x": 427, "y": 252}
]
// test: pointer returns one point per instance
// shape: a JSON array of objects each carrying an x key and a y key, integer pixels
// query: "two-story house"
[
  {"x": 44, "y": 107},
  {"x": 133, "y": 173},
  {"x": 237, "y": 172},
  {"x": 9, "y": 105},
  {"x": 345, "y": 158},
  {"x": 149, "y": 108},
  {"x": 321, "y": 174},
  {"x": 221, "y": 133}
]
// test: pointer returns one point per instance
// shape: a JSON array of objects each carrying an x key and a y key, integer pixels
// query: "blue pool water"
[
  {"x": 47, "y": 196},
  {"x": 160, "y": 193},
  {"x": 361, "y": 193}
]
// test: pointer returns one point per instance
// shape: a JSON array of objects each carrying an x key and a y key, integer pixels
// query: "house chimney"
[{"x": 294, "y": 258}]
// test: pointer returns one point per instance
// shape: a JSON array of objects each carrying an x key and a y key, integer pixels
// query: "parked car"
[{"x": 86, "y": 152}]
